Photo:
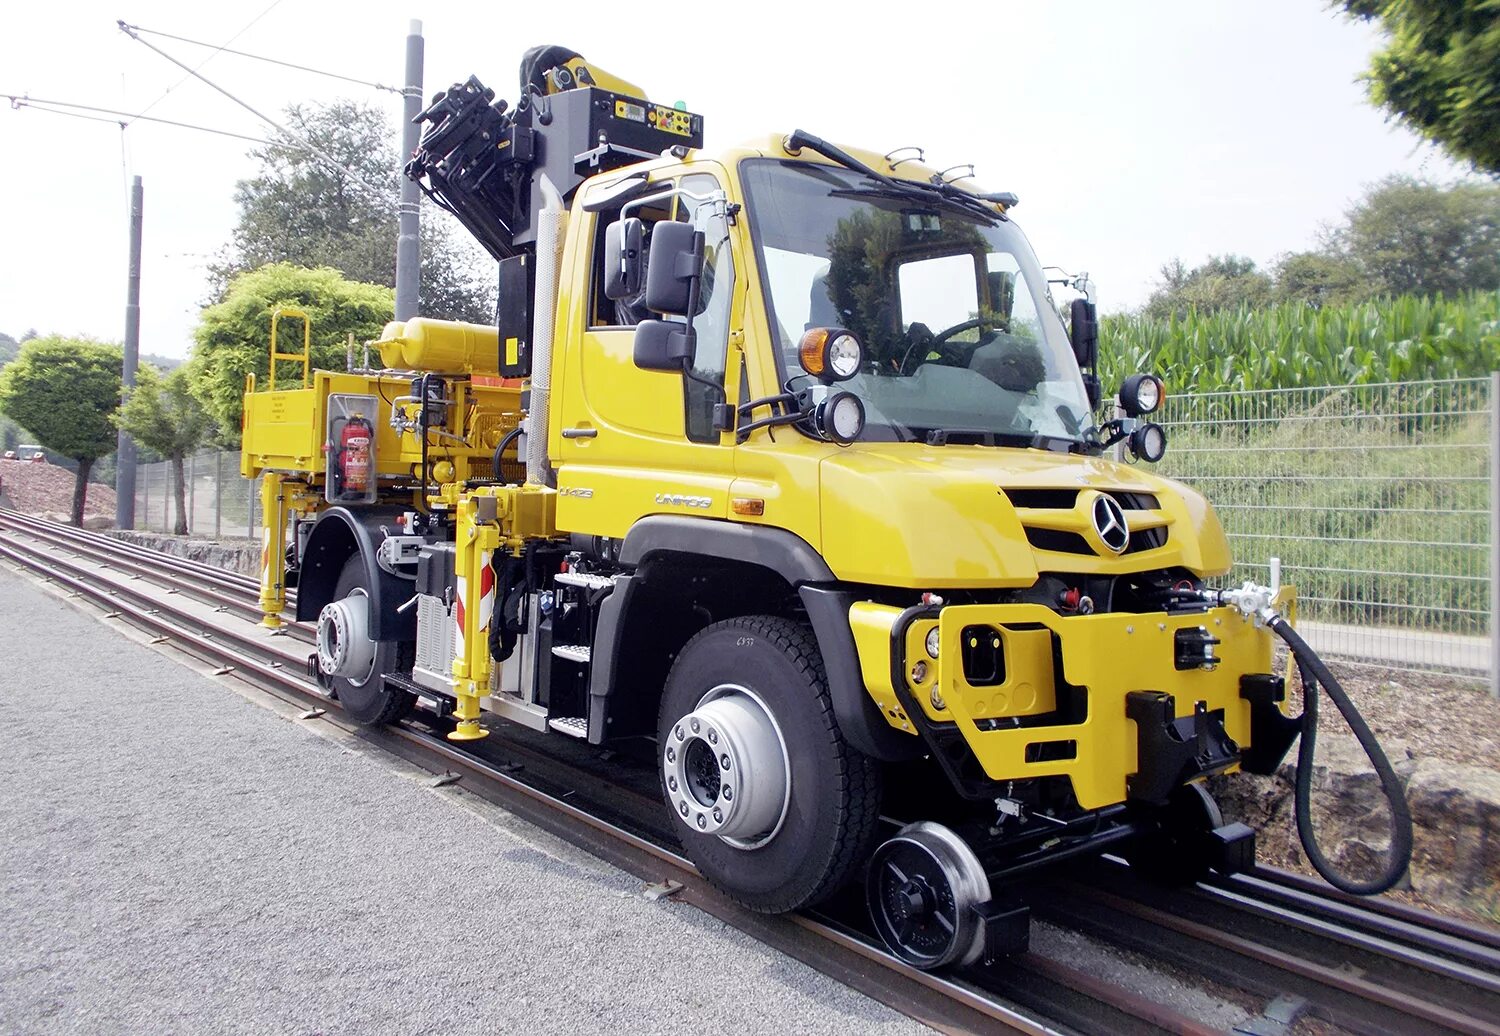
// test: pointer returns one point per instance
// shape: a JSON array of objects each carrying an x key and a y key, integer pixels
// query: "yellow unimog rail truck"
[{"x": 780, "y": 471}]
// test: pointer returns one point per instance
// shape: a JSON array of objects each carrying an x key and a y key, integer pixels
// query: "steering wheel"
[
  {"x": 926, "y": 341},
  {"x": 944, "y": 335}
]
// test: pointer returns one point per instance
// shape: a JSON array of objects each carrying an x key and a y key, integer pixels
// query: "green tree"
[
  {"x": 1410, "y": 237},
  {"x": 1439, "y": 72},
  {"x": 65, "y": 391},
  {"x": 1321, "y": 278},
  {"x": 163, "y": 414},
  {"x": 233, "y": 337},
  {"x": 1223, "y": 282},
  {"x": 336, "y": 205}
]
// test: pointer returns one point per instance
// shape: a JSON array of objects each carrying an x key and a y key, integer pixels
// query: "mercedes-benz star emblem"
[{"x": 1109, "y": 523}]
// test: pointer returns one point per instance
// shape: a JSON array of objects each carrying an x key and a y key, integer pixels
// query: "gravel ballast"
[{"x": 179, "y": 859}]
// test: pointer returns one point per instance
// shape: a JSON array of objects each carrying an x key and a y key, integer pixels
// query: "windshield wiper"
[
  {"x": 986, "y": 437},
  {"x": 890, "y": 187}
]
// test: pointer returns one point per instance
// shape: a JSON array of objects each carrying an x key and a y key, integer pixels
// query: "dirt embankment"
[
  {"x": 1440, "y": 736},
  {"x": 39, "y": 488}
]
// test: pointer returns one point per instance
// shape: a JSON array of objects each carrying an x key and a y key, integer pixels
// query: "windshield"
[{"x": 957, "y": 322}]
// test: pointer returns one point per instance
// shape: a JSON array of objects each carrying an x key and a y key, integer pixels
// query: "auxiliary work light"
[
  {"x": 1141, "y": 394},
  {"x": 831, "y": 354}
]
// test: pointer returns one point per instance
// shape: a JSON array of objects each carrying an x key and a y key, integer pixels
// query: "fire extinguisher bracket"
[{"x": 350, "y": 448}]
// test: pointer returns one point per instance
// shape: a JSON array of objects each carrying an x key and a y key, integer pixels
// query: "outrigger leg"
[
  {"x": 477, "y": 538},
  {"x": 273, "y": 550}
]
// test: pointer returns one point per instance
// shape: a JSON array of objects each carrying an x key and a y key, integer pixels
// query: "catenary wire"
[
  {"x": 225, "y": 49},
  {"x": 243, "y": 29}
]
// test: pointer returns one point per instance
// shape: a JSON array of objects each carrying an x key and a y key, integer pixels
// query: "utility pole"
[
  {"x": 408, "y": 244},
  {"x": 125, "y": 451}
]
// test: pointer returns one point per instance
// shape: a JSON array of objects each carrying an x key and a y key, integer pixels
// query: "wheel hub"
[
  {"x": 726, "y": 768},
  {"x": 922, "y": 889},
  {"x": 344, "y": 645}
]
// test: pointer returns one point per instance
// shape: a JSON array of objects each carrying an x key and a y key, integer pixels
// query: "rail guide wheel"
[{"x": 927, "y": 892}]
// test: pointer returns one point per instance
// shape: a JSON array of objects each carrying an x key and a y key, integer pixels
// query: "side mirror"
[
  {"x": 623, "y": 259},
  {"x": 663, "y": 345},
  {"x": 675, "y": 266},
  {"x": 1085, "y": 333}
]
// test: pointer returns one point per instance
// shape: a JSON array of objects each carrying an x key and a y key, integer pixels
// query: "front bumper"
[{"x": 1019, "y": 691}]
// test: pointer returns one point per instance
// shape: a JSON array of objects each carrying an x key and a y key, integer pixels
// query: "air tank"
[{"x": 442, "y": 346}]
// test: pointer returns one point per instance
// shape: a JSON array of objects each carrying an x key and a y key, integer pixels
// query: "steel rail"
[
  {"x": 232, "y": 599},
  {"x": 221, "y": 576},
  {"x": 930, "y": 998},
  {"x": 1337, "y": 989},
  {"x": 1290, "y": 898}
]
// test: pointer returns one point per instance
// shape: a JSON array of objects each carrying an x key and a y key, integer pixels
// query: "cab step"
[
  {"x": 588, "y": 580},
  {"x": 573, "y": 726},
  {"x": 573, "y": 652}
]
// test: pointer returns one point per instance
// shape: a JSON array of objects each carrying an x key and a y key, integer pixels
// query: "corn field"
[{"x": 1293, "y": 345}]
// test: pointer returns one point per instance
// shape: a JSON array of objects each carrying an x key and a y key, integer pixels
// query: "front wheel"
[{"x": 773, "y": 806}]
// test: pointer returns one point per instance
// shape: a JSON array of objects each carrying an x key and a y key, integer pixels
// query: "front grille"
[
  {"x": 1147, "y": 539},
  {"x": 1043, "y": 499},
  {"x": 1061, "y": 542},
  {"x": 1058, "y": 541}
]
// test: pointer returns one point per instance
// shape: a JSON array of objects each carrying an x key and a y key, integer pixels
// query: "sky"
[{"x": 1132, "y": 133}]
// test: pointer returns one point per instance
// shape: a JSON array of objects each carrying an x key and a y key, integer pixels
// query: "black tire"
[
  {"x": 834, "y": 806},
  {"x": 367, "y": 701}
]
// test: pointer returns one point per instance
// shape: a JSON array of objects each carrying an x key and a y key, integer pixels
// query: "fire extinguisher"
[{"x": 351, "y": 471}]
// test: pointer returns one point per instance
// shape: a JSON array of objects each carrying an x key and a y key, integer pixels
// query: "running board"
[
  {"x": 573, "y": 726},
  {"x": 573, "y": 652}
]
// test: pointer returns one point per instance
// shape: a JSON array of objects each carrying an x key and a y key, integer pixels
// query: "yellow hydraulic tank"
[{"x": 443, "y": 346}]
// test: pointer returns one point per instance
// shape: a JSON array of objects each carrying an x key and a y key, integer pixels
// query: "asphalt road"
[{"x": 176, "y": 858}]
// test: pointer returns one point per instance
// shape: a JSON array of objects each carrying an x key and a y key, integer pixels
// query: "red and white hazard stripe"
[{"x": 486, "y": 607}]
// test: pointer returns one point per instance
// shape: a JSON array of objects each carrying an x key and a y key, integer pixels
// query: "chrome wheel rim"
[
  {"x": 344, "y": 645},
  {"x": 727, "y": 770}
]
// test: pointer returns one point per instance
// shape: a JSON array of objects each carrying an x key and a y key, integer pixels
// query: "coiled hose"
[{"x": 1316, "y": 674}]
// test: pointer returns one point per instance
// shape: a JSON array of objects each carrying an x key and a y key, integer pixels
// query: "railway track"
[{"x": 1280, "y": 946}]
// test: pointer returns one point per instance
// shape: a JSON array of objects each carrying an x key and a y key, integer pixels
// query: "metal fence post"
[
  {"x": 218, "y": 494},
  {"x": 192, "y": 481},
  {"x": 1495, "y": 534}
]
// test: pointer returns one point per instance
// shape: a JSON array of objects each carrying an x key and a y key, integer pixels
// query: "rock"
[
  {"x": 1455, "y": 819},
  {"x": 236, "y": 555}
]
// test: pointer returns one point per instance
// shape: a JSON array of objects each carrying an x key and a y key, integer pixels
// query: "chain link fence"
[
  {"x": 1378, "y": 499},
  {"x": 220, "y": 504}
]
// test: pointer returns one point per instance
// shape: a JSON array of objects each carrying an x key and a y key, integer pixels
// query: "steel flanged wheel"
[
  {"x": 726, "y": 769},
  {"x": 1172, "y": 854},
  {"x": 922, "y": 888}
]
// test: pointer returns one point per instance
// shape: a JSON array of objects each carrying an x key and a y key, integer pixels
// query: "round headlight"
[
  {"x": 1149, "y": 442},
  {"x": 830, "y": 353},
  {"x": 844, "y": 356},
  {"x": 841, "y": 417},
  {"x": 932, "y": 642},
  {"x": 1141, "y": 394}
]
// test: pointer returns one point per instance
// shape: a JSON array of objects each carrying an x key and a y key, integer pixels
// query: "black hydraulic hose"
[
  {"x": 505, "y": 441},
  {"x": 1398, "y": 856}
]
